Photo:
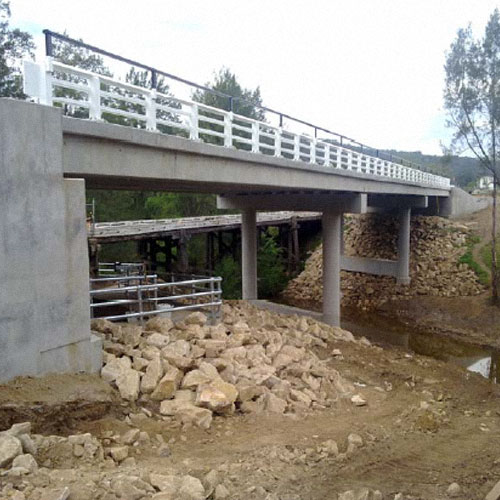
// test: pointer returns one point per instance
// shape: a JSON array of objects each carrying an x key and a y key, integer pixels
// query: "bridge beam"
[
  {"x": 391, "y": 203},
  {"x": 249, "y": 254},
  {"x": 313, "y": 201},
  {"x": 332, "y": 247}
]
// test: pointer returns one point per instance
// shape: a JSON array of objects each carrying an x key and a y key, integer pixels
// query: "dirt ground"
[{"x": 426, "y": 424}]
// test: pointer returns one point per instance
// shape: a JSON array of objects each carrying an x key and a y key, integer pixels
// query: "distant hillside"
[{"x": 463, "y": 171}]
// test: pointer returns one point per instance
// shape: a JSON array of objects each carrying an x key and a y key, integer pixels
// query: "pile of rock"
[
  {"x": 436, "y": 247},
  {"x": 17, "y": 450},
  {"x": 75, "y": 467},
  {"x": 192, "y": 370}
]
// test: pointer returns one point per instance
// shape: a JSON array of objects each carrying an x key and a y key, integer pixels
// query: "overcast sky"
[{"x": 369, "y": 69}]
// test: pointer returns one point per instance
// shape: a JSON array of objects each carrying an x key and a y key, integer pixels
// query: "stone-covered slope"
[{"x": 436, "y": 247}]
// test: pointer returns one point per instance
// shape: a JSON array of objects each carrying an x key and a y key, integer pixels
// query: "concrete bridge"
[{"x": 47, "y": 159}]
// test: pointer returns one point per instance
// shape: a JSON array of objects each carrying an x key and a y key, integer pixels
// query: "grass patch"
[
  {"x": 486, "y": 253},
  {"x": 467, "y": 258}
]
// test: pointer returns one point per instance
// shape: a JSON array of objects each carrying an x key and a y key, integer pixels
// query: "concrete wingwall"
[
  {"x": 44, "y": 308},
  {"x": 462, "y": 203}
]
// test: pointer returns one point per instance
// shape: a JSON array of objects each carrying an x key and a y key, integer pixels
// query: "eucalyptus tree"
[
  {"x": 14, "y": 45},
  {"x": 472, "y": 102}
]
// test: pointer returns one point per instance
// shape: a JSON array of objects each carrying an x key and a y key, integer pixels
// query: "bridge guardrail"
[{"x": 84, "y": 94}]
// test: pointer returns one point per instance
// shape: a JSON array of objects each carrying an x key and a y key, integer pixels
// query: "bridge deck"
[{"x": 110, "y": 232}]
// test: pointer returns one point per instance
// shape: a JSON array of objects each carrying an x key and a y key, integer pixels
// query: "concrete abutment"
[{"x": 44, "y": 308}]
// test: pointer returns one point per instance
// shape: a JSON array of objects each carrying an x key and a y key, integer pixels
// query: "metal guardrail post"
[
  {"x": 141, "y": 309},
  {"x": 212, "y": 299}
]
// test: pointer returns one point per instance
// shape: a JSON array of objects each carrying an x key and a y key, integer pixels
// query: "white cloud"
[{"x": 370, "y": 69}]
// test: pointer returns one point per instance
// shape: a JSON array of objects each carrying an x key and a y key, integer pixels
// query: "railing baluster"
[
  {"x": 95, "y": 98},
  {"x": 228, "y": 130},
  {"x": 312, "y": 150},
  {"x": 194, "y": 128},
  {"x": 255, "y": 137},
  {"x": 327, "y": 155},
  {"x": 296, "y": 147},
  {"x": 277, "y": 142},
  {"x": 151, "y": 110}
]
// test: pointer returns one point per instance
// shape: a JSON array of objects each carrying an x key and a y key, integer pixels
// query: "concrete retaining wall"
[
  {"x": 44, "y": 309},
  {"x": 462, "y": 203}
]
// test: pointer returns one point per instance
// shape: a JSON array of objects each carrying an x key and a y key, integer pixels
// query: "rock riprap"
[
  {"x": 436, "y": 246},
  {"x": 253, "y": 361}
]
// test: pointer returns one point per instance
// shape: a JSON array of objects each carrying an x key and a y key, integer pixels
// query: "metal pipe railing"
[
  {"x": 188, "y": 117},
  {"x": 340, "y": 139},
  {"x": 146, "y": 299}
]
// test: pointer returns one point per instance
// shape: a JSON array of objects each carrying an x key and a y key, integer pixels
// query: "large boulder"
[
  {"x": 115, "y": 367},
  {"x": 128, "y": 384},
  {"x": 168, "y": 384},
  {"x": 218, "y": 396},
  {"x": 153, "y": 374},
  {"x": 196, "y": 318},
  {"x": 10, "y": 448},
  {"x": 160, "y": 324}
]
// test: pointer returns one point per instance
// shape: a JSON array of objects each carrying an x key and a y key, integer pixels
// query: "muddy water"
[{"x": 381, "y": 330}]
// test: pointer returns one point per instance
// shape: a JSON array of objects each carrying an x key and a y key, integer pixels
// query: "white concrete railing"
[{"x": 98, "y": 97}]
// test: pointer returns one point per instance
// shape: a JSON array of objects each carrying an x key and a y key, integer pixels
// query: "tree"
[
  {"x": 246, "y": 102},
  {"x": 229, "y": 95},
  {"x": 14, "y": 45},
  {"x": 472, "y": 101},
  {"x": 80, "y": 57}
]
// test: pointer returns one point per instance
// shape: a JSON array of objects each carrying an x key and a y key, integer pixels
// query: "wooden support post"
[
  {"x": 93, "y": 259},
  {"x": 234, "y": 244},
  {"x": 221, "y": 249},
  {"x": 183, "y": 258},
  {"x": 168, "y": 255},
  {"x": 212, "y": 251},
  {"x": 290, "y": 250},
  {"x": 294, "y": 229},
  {"x": 142, "y": 249},
  {"x": 209, "y": 252},
  {"x": 153, "y": 250}
]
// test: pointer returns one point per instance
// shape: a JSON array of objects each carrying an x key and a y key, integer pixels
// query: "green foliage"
[
  {"x": 467, "y": 258},
  {"x": 472, "y": 101},
  {"x": 472, "y": 91},
  {"x": 271, "y": 266},
  {"x": 271, "y": 269},
  {"x": 245, "y": 102},
  {"x": 463, "y": 171},
  {"x": 118, "y": 205},
  {"x": 230, "y": 271},
  {"x": 70, "y": 54},
  {"x": 225, "y": 81},
  {"x": 14, "y": 45},
  {"x": 170, "y": 205},
  {"x": 486, "y": 254}
]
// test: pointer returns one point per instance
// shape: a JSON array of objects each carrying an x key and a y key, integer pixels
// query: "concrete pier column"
[
  {"x": 403, "y": 276},
  {"x": 332, "y": 244},
  {"x": 249, "y": 254}
]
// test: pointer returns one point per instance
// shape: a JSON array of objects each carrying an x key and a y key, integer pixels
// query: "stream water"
[
  {"x": 391, "y": 332},
  {"x": 385, "y": 331}
]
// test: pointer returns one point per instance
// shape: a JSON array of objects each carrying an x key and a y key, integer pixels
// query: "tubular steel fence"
[{"x": 135, "y": 295}]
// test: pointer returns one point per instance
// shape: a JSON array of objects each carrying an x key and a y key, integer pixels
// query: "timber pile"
[{"x": 436, "y": 247}]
